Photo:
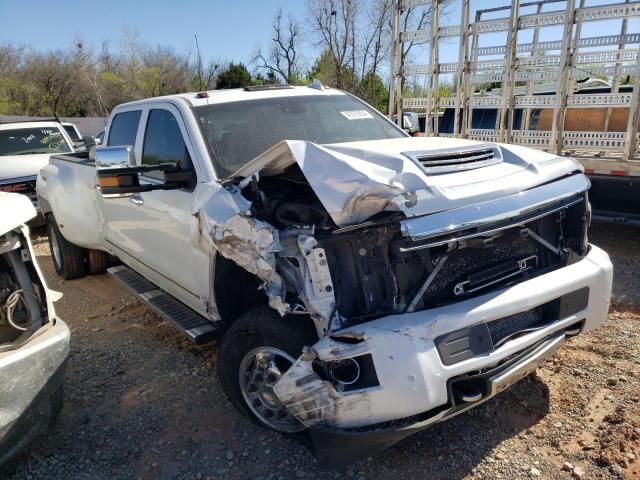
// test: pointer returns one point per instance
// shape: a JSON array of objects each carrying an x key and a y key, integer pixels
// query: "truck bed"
[
  {"x": 77, "y": 157},
  {"x": 72, "y": 176}
]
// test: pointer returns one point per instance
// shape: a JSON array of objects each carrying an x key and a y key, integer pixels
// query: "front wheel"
[
  {"x": 254, "y": 354},
  {"x": 68, "y": 259}
]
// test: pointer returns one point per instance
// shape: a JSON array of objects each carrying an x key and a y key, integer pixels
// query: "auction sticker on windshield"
[{"x": 356, "y": 114}]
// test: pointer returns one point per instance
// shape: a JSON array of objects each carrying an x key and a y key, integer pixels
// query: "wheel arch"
[{"x": 235, "y": 290}]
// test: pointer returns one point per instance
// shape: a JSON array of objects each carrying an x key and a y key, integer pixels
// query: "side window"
[
  {"x": 124, "y": 128},
  {"x": 163, "y": 142}
]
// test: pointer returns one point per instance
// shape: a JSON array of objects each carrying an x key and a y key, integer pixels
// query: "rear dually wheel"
[{"x": 69, "y": 260}]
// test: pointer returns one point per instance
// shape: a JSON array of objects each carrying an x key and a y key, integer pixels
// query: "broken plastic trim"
[{"x": 338, "y": 447}]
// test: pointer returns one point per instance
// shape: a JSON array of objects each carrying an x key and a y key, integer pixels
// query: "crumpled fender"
[{"x": 226, "y": 225}]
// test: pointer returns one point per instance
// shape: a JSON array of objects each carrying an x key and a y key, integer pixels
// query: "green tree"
[
  {"x": 236, "y": 75},
  {"x": 373, "y": 91}
]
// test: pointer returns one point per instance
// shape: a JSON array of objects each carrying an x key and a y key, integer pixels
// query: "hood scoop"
[{"x": 456, "y": 159}]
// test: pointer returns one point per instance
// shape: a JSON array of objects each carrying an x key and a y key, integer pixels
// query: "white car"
[
  {"x": 34, "y": 343},
  {"x": 365, "y": 284},
  {"x": 25, "y": 148}
]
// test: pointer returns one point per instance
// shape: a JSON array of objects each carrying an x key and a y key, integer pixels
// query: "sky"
[{"x": 227, "y": 30}]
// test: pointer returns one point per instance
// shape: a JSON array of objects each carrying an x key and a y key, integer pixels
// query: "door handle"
[{"x": 136, "y": 200}]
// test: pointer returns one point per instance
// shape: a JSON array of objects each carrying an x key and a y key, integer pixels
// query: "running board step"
[{"x": 196, "y": 327}]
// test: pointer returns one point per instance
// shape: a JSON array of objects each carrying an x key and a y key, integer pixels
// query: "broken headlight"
[{"x": 349, "y": 374}]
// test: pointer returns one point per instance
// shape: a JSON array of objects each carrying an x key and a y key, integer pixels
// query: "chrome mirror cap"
[{"x": 115, "y": 157}]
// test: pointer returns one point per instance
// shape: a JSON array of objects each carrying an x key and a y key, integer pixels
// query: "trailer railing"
[{"x": 541, "y": 60}]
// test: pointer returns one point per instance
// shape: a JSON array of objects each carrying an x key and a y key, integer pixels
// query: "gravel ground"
[{"x": 143, "y": 403}]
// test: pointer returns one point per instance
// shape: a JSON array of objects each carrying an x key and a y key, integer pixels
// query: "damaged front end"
[
  {"x": 34, "y": 343},
  {"x": 389, "y": 259}
]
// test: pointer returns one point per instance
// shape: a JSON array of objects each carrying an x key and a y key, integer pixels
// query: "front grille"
[
  {"x": 475, "y": 269},
  {"x": 504, "y": 328},
  {"x": 24, "y": 186},
  {"x": 451, "y": 160}
]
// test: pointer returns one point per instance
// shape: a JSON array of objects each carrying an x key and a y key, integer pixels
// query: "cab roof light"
[{"x": 262, "y": 88}]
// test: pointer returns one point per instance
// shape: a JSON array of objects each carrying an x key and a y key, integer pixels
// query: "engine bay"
[
  {"x": 377, "y": 271},
  {"x": 23, "y": 306}
]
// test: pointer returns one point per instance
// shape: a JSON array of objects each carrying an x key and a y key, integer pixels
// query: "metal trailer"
[{"x": 608, "y": 151}]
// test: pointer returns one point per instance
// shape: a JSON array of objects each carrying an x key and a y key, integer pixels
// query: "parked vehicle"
[
  {"x": 99, "y": 137},
  {"x": 25, "y": 148},
  {"x": 72, "y": 131},
  {"x": 81, "y": 143},
  {"x": 34, "y": 343},
  {"x": 364, "y": 284}
]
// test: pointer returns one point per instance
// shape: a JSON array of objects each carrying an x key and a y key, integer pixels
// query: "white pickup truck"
[
  {"x": 25, "y": 148},
  {"x": 364, "y": 284}
]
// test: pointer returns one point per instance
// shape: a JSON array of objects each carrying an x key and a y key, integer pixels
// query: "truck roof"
[
  {"x": 197, "y": 99},
  {"x": 28, "y": 124}
]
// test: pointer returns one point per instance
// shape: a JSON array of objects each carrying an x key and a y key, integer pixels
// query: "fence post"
[
  {"x": 634, "y": 116},
  {"x": 526, "y": 117},
  {"x": 508, "y": 82},
  {"x": 462, "y": 73},
  {"x": 556, "y": 138},
  {"x": 615, "y": 83},
  {"x": 395, "y": 92},
  {"x": 433, "y": 95},
  {"x": 472, "y": 68}
]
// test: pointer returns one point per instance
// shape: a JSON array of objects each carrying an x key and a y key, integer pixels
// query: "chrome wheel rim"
[
  {"x": 260, "y": 370},
  {"x": 55, "y": 249}
]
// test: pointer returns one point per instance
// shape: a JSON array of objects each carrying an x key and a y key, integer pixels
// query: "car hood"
[
  {"x": 17, "y": 166},
  {"x": 359, "y": 179},
  {"x": 16, "y": 209}
]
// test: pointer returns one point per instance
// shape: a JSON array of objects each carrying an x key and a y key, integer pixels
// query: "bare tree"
[
  {"x": 55, "y": 78},
  {"x": 283, "y": 56},
  {"x": 334, "y": 23},
  {"x": 10, "y": 59},
  {"x": 78, "y": 81},
  {"x": 415, "y": 18}
]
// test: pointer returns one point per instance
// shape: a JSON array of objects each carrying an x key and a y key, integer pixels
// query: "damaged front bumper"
[
  {"x": 432, "y": 364},
  {"x": 343, "y": 446},
  {"x": 31, "y": 378}
]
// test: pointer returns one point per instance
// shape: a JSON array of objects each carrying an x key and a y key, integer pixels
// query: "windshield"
[
  {"x": 240, "y": 131},
  {"x": 26, "y": 141}
]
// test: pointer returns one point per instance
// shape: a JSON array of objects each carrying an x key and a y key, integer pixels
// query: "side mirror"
[
  {"x": 117, "y": 173},
  {"x": 89, "y": 141},
  {"x": 97, "y": 141},
  {"x": 113, "y": 175},
  {"x": 115, "y": 157},
  {"x": 410, "y": 122}
]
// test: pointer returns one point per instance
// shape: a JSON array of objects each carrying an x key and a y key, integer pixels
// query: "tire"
[
  {"x": 97, "y": 261},
  {"x": 260, "y": 329},
  {"x": 69, "y": 260}
]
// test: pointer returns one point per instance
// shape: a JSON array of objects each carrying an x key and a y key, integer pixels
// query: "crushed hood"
[
  {"x": 16, "y": 209},
  {"x": 359, "y": 179},
  {"x": 17, "y": 166}
]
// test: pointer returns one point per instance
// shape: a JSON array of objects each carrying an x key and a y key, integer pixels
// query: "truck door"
[{"x": 152, "y": 231}]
